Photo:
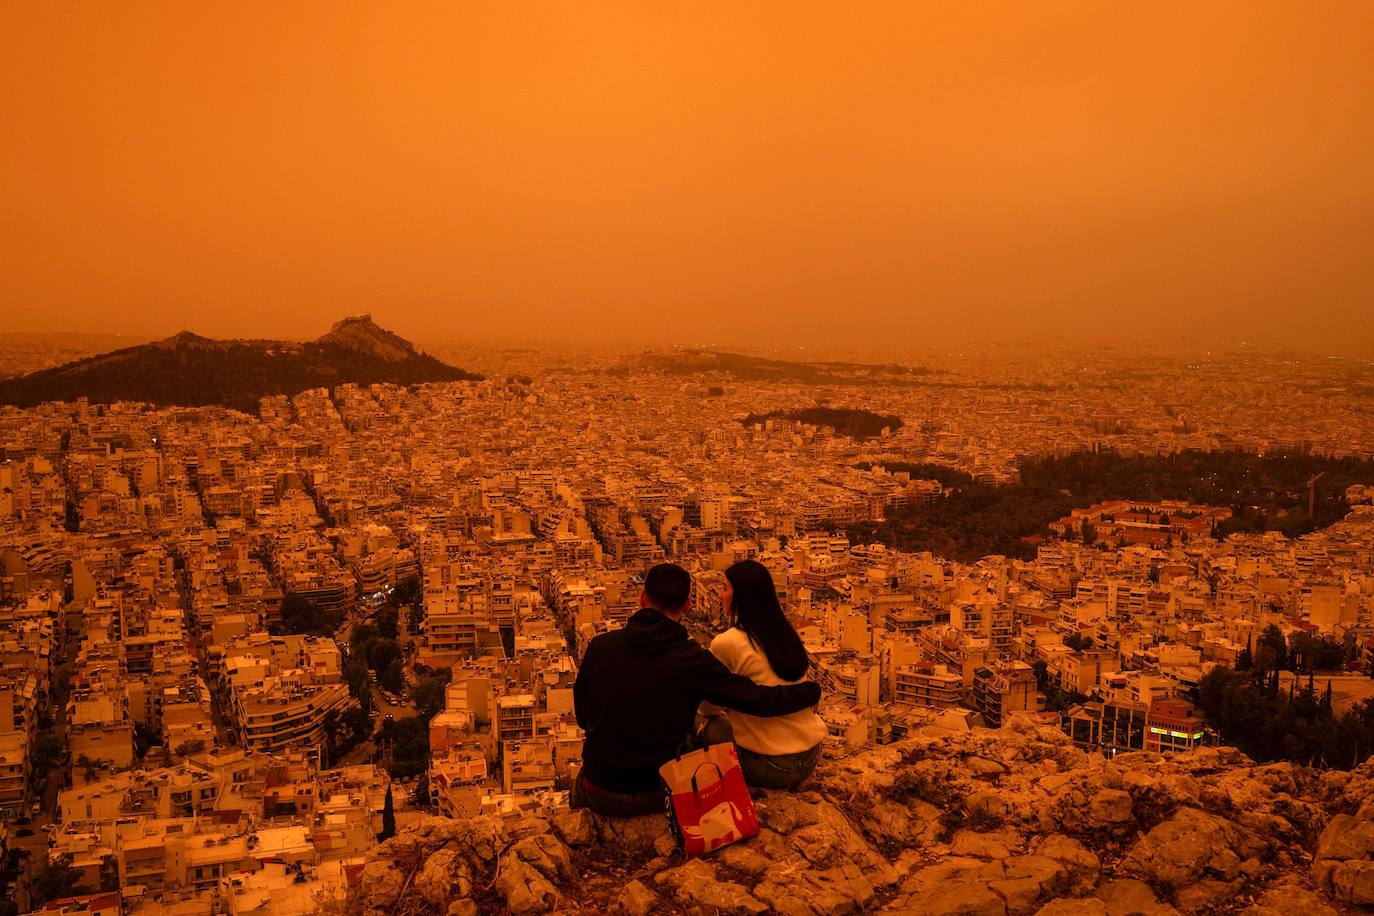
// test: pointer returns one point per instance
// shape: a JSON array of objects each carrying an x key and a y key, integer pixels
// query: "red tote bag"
[{"x": 708, "y": 803}]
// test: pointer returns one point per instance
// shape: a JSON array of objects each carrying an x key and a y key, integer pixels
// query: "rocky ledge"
[{"x": 983, "y": 823}]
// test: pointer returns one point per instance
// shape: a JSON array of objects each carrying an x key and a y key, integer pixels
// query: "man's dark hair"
[{"x": 668, "y": 587}]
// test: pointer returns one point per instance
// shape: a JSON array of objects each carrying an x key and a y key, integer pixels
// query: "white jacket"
[{"x": 774, "y": 735}]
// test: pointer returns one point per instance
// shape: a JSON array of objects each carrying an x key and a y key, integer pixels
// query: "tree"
[
  {"x": 301, "y": 615},
  {"x": 362, "y": 634},
  {"x": 1272, "y": 652},
  {"x": 381, "y": 653},
  {"x": 409, "y": 739},
  {"x": 388, "y": 623},
  {"x": 88, "y": 766},
  {"x": 56, "y": 878},
  {"x": 1246, "y": 660},
  {"x": 1078, "y": 641},
  {"x": 407, "y": 591},
  {"x": 392, "y": 677},
  {"x": 388, "y": 817},
  {"x": 359, "y": 683},
  {"x": 188, "y": 748},
  {"x": 46, "y": 752},
  {"x": 428, "y": 695}
]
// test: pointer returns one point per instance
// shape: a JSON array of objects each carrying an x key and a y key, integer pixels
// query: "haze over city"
[
  {"x": 610, "y": 458},
  {"x": 765, "y": 173}
]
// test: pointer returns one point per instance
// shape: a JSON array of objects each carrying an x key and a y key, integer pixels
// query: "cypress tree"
[{"x": 388, "y": 817}]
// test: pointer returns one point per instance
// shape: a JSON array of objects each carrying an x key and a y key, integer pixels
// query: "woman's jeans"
[{"x": 763, "y": 771}]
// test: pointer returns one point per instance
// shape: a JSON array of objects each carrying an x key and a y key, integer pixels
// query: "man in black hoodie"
[{"x": 637, "y": 693}]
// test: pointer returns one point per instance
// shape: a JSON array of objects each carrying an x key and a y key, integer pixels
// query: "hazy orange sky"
[{"x": 731, "y": 172}]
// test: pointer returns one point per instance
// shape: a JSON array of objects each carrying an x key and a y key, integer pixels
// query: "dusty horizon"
[{"x": 780, "y": 175}]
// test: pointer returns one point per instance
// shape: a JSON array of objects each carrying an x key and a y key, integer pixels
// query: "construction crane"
[{"x": 1312, "y": 495}]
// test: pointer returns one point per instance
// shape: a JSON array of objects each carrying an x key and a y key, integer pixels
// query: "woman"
[{"x": 777, "y": 752}]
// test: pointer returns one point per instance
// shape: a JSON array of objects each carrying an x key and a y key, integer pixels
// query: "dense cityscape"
[
  {"x": 711, "y": 459},
  {"x": 239, "y": 649}
]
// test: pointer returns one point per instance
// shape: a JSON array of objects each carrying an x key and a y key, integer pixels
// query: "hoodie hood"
[{"x": 652, "y": 632}]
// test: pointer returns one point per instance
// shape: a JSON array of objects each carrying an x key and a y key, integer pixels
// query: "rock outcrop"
[{"x": 984, "y": 823}]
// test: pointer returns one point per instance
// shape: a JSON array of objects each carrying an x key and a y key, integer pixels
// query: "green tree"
[
  {"x": 88, "y": 766},
  {"x": 428, "y": 695},
  {"x": 409, "y": 741},
  {"x": 1246, "y": 659},
  {"x": 362, "y": 634},
  {"x": 388, "y": 623},
  {"x": 300, "y": 615},
  {"x": 56, "y": 878},
  {"x": 392, "y": 677},
  {"x": 407, "y": 592},
  {"x": 187, "y": 748},
  {"x": 359, "y": 683},
  {"x": 1272, "y": 652},
  {"x": 46, "y": 752},
  {"x": 381, "y": 653},
  {"x": 388, "y": 817}
]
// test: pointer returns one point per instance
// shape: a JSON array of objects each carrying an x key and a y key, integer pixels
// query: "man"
[{"x": 637, "y": 693}]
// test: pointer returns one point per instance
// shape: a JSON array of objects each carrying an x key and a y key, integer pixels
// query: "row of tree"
[{"x": 1250, "y": 710}]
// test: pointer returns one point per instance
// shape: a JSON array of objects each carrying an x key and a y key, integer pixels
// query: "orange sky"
[{"x": 729, "y": 172}]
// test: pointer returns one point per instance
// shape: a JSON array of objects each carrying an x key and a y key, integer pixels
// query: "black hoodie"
[{"x": 637, "y": 693}]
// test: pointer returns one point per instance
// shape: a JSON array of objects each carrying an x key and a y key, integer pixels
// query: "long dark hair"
[{"x": 755, "y": 610}]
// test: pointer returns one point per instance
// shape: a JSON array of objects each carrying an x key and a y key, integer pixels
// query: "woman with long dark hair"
[{"x": 777, "y": 752}]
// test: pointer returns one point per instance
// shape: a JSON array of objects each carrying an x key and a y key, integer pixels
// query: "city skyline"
[{"x": 595, "y": 457}]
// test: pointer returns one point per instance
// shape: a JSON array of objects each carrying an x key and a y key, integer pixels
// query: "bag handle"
[{"x": 696, "y": 792}]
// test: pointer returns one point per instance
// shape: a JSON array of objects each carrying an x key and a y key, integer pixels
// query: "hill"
[
  {"x": 758, "y": 368},
  {"x": 192, "y": 371},
  {"x": 1266, "y": 492},
  {"x": 993, "y": 823}
]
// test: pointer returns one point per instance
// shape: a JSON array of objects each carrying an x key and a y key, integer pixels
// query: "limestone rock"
[
  {"x": 1203, "y": 895},
  {"x": 445, "y": 876},
  {"x": 982, "y": 766},
  {"x": 1129, "y": 897},
  {"x": 637, "y": 900},
  {"x": 1288, "y": 897},
  {"x": 1073, "y": 906},
  {"x": 695, "y": 884},
  {"x": 997, "y": 844},
  {"x": 1346, "y": 837},
  {"x": 987, "y": 805},
  {"x": 577, "y": 828},
  {"x": 1110, "y": 806},
  {"x": 527, "y": 870},
  {"x": 1190, "y": 845},
  {"x": 1010, "y": 822},
  {"x": 381, "y": 885},
  {"x": 1353, "y": 882}
]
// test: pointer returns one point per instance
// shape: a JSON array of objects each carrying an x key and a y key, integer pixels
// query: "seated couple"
[{"x": 639, "y": 691}]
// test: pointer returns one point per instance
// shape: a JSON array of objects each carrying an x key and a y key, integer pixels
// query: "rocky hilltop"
[
  {"x": 983, "y": 823},
  {"x": 190, "y": 370}
]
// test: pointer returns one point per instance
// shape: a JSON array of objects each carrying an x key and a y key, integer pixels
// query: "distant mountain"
[
  {"x": 190, "y": 370},
  {"x": 758, "y": 368}
]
